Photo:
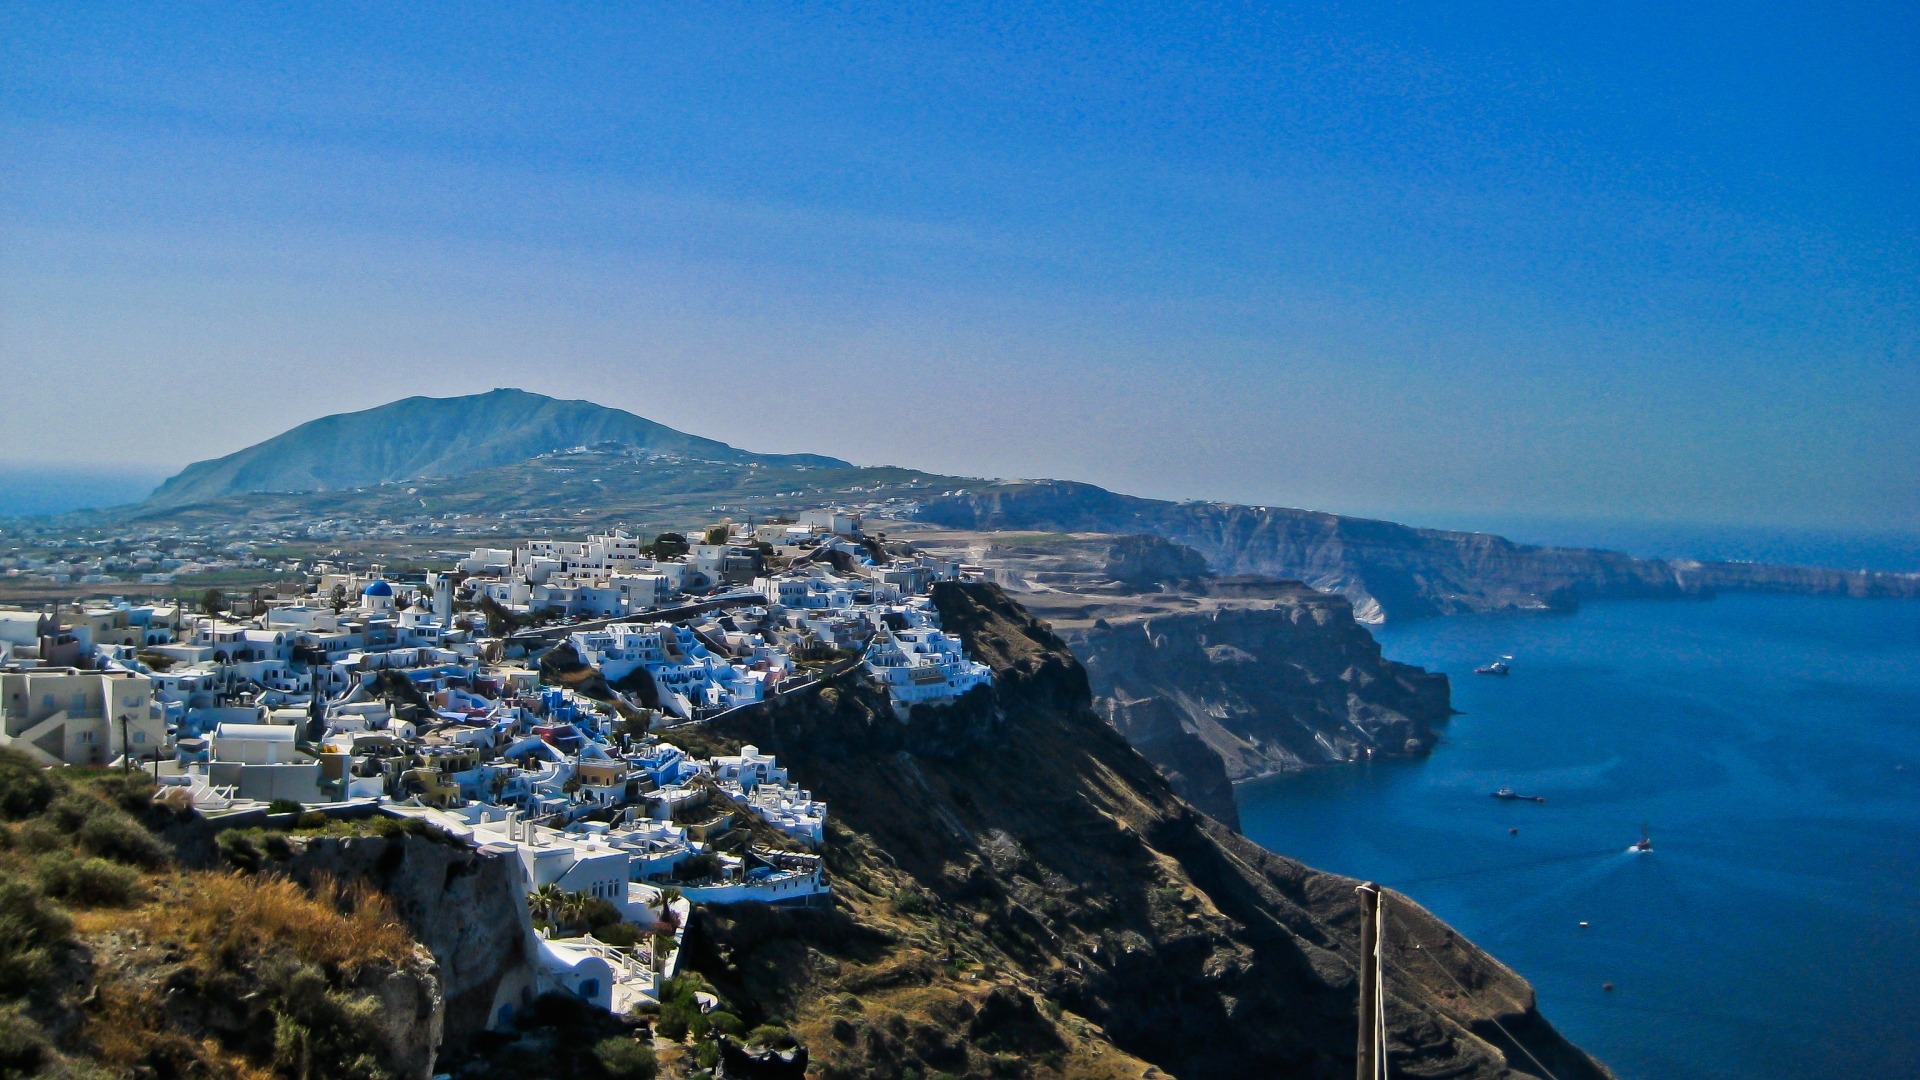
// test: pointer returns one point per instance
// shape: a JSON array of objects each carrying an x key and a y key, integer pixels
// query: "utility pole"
[{"x": 1371, "y": 1063}]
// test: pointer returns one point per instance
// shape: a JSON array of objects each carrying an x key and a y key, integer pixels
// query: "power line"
[{"x": 1495, "y": 1020}]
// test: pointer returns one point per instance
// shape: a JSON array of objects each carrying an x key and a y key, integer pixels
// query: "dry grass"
[
  {"x": 228, "y": 914},
  {"x": 239, "y": 924},
  {"x": 129, "y": 1031}
]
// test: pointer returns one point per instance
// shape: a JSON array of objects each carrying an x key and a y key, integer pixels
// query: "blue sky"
[{"x": 1433, "y": 262}]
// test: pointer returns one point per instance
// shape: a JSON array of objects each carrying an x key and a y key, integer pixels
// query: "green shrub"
[
  {"x": 238, "y": 850},
  {"x": 696, "y": 867},
  {"x": 99, "y": 827},
  {"x": 42, "y": 835},
  {"x": 620, "y": 935},
  {"x": 597, "y": 912},
  {"x": 725, "y": 1023},
  {"x": 395, "y": 828},
  {"x": 680, "y": 989},
  {"x": 89, "y": 882},
  {"x": 285, "y": 806},
  {"x": 320, "y": 1031},
  {"x": 672, "y": 1025},
  {"x": 313, "y": 819},
  {"x": 770, "y": 1035},
  {"x": 706, "y": 1053},
  {"x": 130, "y": 791},
  {"x": 625, "y": 1059},
  {"x": 112, "y": 834},
  {"x": 71, "y": 809},
  {"x": 26, "y": 789},
  {"x": 23, "y": 1047},
  {"x": 29, "y": 928}
]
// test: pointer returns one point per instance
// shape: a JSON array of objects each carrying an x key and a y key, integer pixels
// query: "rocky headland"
[
  {"x": 1020, "y": 893},
  {"x": 1385, "y": 569},
  {"x": 1214, "y": 679}
]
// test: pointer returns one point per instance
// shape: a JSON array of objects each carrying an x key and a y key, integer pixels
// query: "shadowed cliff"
[{"x": 1019, "y": 892}]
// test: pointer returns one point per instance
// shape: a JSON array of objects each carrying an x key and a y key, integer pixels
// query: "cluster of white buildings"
[
  {"x": 614, "y": 575},
  {"x": 368, "y": 693}
]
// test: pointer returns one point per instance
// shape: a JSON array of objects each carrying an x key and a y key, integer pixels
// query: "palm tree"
[
  {"x": 573, "y": 910},
  {"x": 548, "y": 899}
]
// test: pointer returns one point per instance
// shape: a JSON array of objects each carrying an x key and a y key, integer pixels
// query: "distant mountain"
[{"x": 423, "y": 436}]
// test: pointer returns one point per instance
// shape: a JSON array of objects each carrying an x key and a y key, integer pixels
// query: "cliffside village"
[{"x": 518, "y": 702}]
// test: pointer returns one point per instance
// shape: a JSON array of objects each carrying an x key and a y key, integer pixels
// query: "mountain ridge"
[
  {"x": 427, "y": 436},
  {"x": 1386, "y": 569}
]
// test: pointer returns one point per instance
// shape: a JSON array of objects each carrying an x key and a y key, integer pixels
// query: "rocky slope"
[
  {"x": 1019, "y": 893},
  {"x": 1386, "y": 570},
  {"x": 1214, "y": 679}
]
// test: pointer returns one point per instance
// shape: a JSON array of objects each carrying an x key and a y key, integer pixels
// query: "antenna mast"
[{"x": 1371, "y": 1063}]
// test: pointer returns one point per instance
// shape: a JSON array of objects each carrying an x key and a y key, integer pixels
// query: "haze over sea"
[{"x": 1772, "y": 746}]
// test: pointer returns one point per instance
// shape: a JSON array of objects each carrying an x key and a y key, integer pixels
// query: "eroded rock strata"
[{"x": 1215, "y": 679}]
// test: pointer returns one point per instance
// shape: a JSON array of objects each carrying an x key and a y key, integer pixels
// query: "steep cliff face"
[
  {"x": 1214, "y": 679},
  {"x": 1019, "y": 892},
  {"x": 1385, "y": 569},
  {"x": 1269, "y": 686},
  {"x": 467, "y": 907}
]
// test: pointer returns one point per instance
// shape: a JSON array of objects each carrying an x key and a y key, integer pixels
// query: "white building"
[
  {"x": 72, "y": 717},
  {"x": 748, "y": 769},
  {"x": 922, "y": 666},
  {"x": 791, "y": 809},
  {"x": 838, "y": 522}
]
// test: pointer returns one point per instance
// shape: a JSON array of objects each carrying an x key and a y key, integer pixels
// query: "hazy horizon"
[
  {"x": 43, "y": 489},
  {"x": 1642, "y": 265}
]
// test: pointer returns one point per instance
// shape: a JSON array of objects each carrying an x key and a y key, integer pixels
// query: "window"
[
  {"x": 79, "y": 703},
  {"x": 590, "y": 988},
  {"x": 139, "y": 736}
]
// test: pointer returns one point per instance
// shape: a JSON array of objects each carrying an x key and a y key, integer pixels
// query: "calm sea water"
[
  {"x": 1772, "y": 747},
  {"x": 32, "y": 488}
]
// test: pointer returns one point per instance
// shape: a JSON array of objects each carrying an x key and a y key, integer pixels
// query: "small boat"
[
  {"x": 1645, "y": 845},
  {"x": 1498, "y": 667},
  {"x": 1512, "y": 795}
]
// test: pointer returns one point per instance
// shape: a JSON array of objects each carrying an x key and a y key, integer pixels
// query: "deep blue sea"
[
  {"x": 1772, "y": 747},
  {"x": 38, "y": 488}
]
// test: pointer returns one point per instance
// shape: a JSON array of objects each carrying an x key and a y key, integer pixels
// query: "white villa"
[{"x": 923, "y": 666}]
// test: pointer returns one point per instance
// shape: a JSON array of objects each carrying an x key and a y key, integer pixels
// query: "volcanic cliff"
[
  {"x": 1214, "y": 679},
  {"x": 1387, "y": 570},
  {"x": 1019, "y": 893}
]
